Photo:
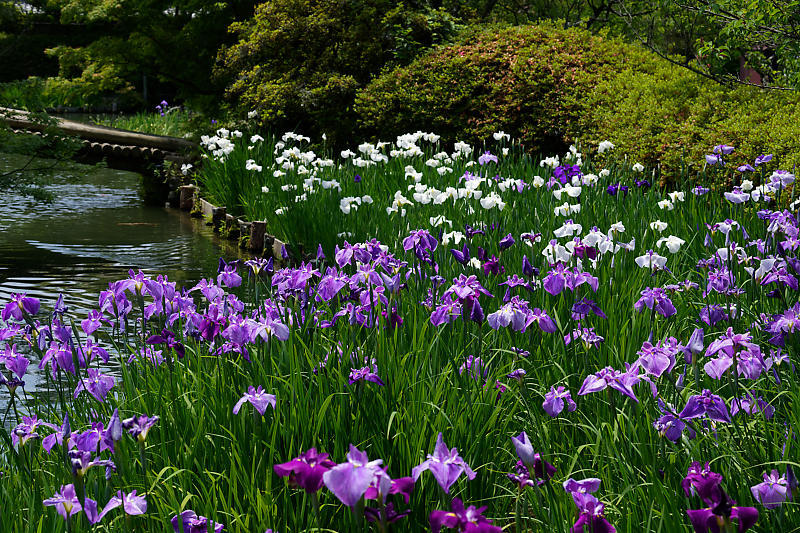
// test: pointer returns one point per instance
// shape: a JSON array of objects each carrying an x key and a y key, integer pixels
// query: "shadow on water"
[{"x": 95, "y": 230}]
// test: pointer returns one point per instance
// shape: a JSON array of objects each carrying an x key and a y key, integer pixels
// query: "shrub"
[
  {"x": 529, "y": 80},
  {"x": 549, "y": 87}
]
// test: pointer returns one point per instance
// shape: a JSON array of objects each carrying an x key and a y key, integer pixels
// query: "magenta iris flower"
[
  {"x": 445, "y": 465},
  {"x": 189, "y": 522},
  {"x": 305, "y": 471},
  {"x": 349, "y": 481},
  {"x": 469, "y": 520},
  {"x": 556, "y": 400},
  {"x": 258, "y": 398}
]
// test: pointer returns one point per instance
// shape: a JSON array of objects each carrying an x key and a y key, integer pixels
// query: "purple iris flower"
[
  {"x": 65, "y": 501},
  {"x": 527, "y": 268},
  {"x": 93, "y": 322},
  {"x": 608, "y": 377},
  {"x": 584, "y": 486},
  {"x": 132, "y": 503},
  {"x": 14, "y": 361},
  {"x": 730, "y": 342},
  {"x": 745, "y": 168},
  {"x": 518, "y": 374},
  {"x": 706, "y": 404},
  {"x": 167, "y": 337},
  {"x": 95, "y": 383},
  {"x": 544, "y": 321},
  {"x": 751, "y": 404},
  {"x": 537, "y": 467},
  {"x": 699, "y": 190},
  {"x": 465, "y": 287},
  {"x": 760, "y": 160},
  {"x": 19, "y": 306},
  {"x": 671, "y": 426},
  {"x": 711, "y": 314},
  {"x": 419, "y": 241},
  {"x": 258, "y": 265},
  {"x": 59, "y": 435},
  {"x": 487, "y": 157},
  {"x": 657, "y": 299},
  {"x": 506, "y": 242},
  {"x": 365, "y": 374},
  {"x": 258, "y": 398},
  {"x": 658, "y": 359},
  {"x": 469, "y": 520},
  {"x": 305, "y": 471},
  {"x": 26, "y": 430},
  {"x": 475, "y": 368},
  {"x": 190, "y": 522},
  {"x": 463, "y": 255},
  {"x": 493, "y": 266},
  {"x": 723, "y": 149},
  {"x": 515, "y": 314},
  {"x": 584, "y": 307},
  {"x": 445, "y": 465},
  {"x": 712, "y": 159},
  {"x": 588, "y": 336},
  {"x": 773, "y": 491},
  {"x": 139, "y": 426},
  {"x": 591, "y": 515},
  {"x": 721, "y": 508},
  {"x": 556, "y": 400},
  {"x": 350, "y": 480}
]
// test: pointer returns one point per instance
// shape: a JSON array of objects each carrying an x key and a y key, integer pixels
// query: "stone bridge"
[{"x": 142, "y": 153}]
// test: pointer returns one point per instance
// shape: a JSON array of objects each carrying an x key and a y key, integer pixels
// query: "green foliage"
[
  {"x": 165, "y": 45},
  {"x": 37, "y": 94},
  {"x": 300, "y": 62},
  {"x": 549, "y": 87},
  {"x": 175, "y": 122}
]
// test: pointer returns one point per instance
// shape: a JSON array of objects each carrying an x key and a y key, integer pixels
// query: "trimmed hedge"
[{"x": 549, "y": 87}]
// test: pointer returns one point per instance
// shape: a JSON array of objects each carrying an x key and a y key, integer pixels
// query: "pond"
[{"x": 94, "y": 231}]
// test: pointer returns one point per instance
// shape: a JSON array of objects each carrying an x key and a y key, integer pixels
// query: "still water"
[{"x": 94, "y": 231}]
